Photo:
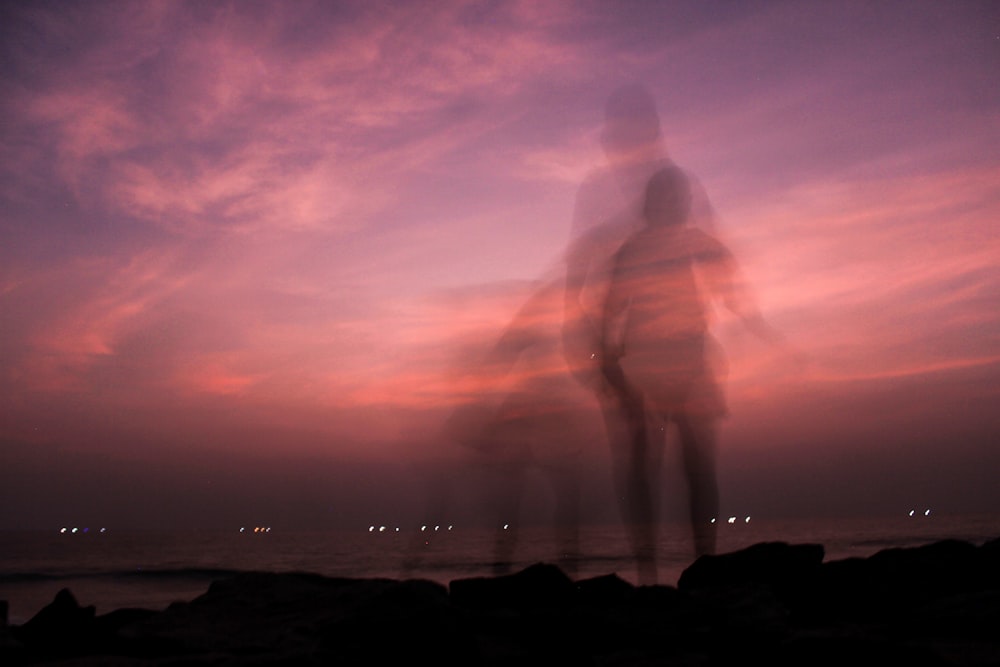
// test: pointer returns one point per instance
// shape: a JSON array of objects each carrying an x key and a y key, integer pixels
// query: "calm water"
[{"x": 117, "y": 569}]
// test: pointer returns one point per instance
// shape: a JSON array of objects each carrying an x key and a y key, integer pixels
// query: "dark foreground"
[{"x": 775, "y": 604}]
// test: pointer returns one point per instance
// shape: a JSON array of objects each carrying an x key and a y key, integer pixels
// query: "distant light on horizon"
[
  {"x": 64, "y": 530},
  {"x": 731, "y": 520}
]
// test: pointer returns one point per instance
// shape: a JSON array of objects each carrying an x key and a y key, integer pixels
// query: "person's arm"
[
  {"x": 741, "y": 302},
  {"x": 728, "y": 285}
]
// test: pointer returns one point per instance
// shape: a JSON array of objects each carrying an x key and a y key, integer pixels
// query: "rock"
[
  {"x": 292, "y": 615},
  {"x": 62, "y": 626},
  {"x": 784, "y": 568},
  {"x": 897, "y": 581},
  {"x": 773, "y": 603},
  {"x": 838, "y": 648},
  {"x": 410, "y": 618},
  {"x": 607, "y": 590},
  {"x": 539, "y": 585}
]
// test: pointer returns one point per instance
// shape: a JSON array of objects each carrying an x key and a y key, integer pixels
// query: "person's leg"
[
  {"x": 504, "y": 487},
  {"x": 698, "y": 437},
  {"x": 635, "y": 458},
  {"x": 656, "y": 437},
  {"x": 644, "y": 482}
]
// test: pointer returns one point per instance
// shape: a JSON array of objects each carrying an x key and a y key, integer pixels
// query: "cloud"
[
  {"x": 224, "y": 120},
  {"x": 310, "y": 218}
]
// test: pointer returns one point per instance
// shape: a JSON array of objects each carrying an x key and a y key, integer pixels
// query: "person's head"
[
  {"x": 668, "y": 198},
  {"x": 631, "y": 120}
]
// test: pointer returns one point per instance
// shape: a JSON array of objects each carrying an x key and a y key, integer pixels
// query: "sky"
[{"x": 244, "y": 246}]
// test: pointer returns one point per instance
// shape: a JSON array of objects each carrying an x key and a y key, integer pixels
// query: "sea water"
[{"x": 112, "y": 569}]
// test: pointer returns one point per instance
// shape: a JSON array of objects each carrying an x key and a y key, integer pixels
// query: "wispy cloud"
[{"x": 262, "y": 204}]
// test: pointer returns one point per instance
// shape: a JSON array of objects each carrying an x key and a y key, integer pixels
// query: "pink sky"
[{"x": 247, "y": 240}]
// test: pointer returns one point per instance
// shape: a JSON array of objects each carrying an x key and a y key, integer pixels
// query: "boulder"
[
  {"x": 62, "y": 626},
  {"x": 785, "y": 568},
  {"x": 539, "y": 585},
  {"x": 772, "y": 603}
]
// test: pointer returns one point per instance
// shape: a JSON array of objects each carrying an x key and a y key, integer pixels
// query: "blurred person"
[
  {"x": 659, "y": 358},
  {"x": 527, "y": 414},
  {"x": 607, "y": 210}
]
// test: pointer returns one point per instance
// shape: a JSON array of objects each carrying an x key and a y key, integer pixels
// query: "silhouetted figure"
[
  {"x": 528, "y": 414},
  {"x": 607, "y": 211},
  {"x": 659, "y": 356},
  {"x": 610, "y": 209}
]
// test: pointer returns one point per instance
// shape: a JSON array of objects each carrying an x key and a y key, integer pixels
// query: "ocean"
[{"x": 112, "y": 569}]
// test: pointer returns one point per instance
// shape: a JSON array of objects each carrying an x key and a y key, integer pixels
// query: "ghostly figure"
[
  {"x": 659, "y": 357},
  {"x": 527, "y": 415},
  {"x": 631, "y": 305},
  {"x": 608, "y": 209}
]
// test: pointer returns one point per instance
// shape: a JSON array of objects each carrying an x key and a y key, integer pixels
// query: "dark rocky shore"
[{"x": 774, "y": 603}]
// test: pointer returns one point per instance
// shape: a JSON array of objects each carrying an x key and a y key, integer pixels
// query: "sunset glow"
[{"x": 271, "y": 238}]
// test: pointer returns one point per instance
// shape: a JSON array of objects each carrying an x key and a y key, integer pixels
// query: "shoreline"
[{"x": 778, "y": 602}]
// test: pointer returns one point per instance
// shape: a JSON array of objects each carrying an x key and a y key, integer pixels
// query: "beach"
[
  {"x": 772, "y": 602},
  {"x": 153, "y": 568}
]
